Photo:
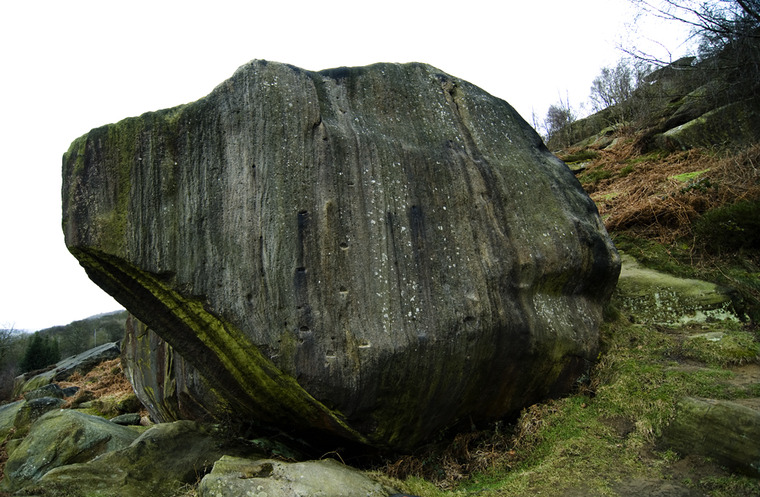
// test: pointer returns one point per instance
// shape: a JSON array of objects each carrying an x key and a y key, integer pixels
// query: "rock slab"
[
  {"x": 233, "y": 476},
  {"x": 655, "y": 297},
  {"x": 80, "y": 363},
  {"x": 370, "y": 254}
]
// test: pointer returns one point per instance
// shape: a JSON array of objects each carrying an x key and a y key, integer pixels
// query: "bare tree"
[
  {"x": 728, "y": 34},
  {"x": 619, "y": 89},
  {"x": 727, "y": 19},
  {"x": 559, "y": 117},
  {"x": 719, "y": 25}
]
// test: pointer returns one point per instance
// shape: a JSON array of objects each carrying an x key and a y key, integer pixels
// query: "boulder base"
[{"x": 369, "y": 253}]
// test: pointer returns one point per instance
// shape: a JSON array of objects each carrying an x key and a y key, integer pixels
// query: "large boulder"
[{"x": 368, "y": 253}]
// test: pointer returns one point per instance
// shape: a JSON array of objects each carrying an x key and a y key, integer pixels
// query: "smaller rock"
[
  {"x": 712, "y": 336},
  {"x": 83, "y": 396},
  {"x": 233, "y": 476},
  {"x": 127, "y": 419},
  {"x": 70, "y": 391},
  {"x": 33, "y": 410},
  {"x": 8, "y": 414},
  {"x": 660, "y": 298},
  {"x": 161, "y": 461},
  {"x": 128, "y": 404},
  {"x": 51, "y": 390}
]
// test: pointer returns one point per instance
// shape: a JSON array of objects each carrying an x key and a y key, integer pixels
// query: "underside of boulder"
[{"x": 369, "y": 254}]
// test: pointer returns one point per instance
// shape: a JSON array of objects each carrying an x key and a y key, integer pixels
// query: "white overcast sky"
[{"x": 69, "y": 66}]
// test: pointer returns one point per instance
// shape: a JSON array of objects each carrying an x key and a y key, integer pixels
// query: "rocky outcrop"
[
  {"x": 80, "y": 363},
  {"x": 735, "y": 124},
  {"x": 61, "y": 438},
  {"x": 159, "y": 462},
  {"x": 364, "y": 253}
]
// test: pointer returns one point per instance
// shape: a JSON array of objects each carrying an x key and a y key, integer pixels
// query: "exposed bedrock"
[{"x": 369, "y": 253}]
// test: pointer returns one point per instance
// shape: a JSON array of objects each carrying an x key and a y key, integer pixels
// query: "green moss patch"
[{"x": 686, "y": 177}]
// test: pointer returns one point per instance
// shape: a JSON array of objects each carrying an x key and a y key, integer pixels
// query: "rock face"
[
  {"x": 654, "y": 297},
  {"x": 166, "y": 384},
  {"x": 368, "y": 253}
]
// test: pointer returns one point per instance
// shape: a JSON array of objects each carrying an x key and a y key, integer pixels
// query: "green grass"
[{"x": 626, "y": 171}]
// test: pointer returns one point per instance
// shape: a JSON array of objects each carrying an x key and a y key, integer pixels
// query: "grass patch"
[
  {"x": 722, "y": 349},
  {"x": 655, "y": 156},
  {"x": 673, "y": 258},
  {"x": 626, "y": 171}
]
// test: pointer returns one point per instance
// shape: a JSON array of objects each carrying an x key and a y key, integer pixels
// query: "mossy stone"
[{"x": 162, "y": 460}]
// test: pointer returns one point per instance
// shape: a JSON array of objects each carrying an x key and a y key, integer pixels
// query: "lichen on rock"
[{"x": 369, "y": 253}]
